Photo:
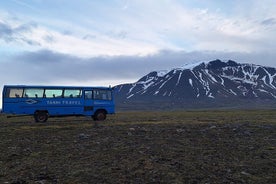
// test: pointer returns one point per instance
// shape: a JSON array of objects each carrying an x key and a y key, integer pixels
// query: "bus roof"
[{"x": 53, "y": 86}]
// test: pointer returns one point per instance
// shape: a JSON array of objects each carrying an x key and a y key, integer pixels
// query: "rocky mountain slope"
[{"x": 207, "y": 84}]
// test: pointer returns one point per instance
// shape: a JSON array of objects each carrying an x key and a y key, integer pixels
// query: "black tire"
[
  {"x": 100, "y": 115},
  {"x": 41, "y": 116}
]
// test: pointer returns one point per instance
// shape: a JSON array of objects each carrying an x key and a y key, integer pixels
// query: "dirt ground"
[{"x": 141, "y": 147}]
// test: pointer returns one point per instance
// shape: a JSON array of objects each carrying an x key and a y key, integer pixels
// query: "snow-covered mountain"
[{"x": 208, "y": 83}]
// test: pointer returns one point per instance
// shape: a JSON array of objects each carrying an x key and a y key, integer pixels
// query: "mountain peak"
[
  {"x": 217, "y": 64},
  {"x": 232, "y": 63}
]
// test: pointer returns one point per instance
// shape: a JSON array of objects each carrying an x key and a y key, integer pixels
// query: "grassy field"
[{"x": 141, "y": 147}]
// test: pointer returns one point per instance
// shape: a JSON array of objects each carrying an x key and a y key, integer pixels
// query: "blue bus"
[{"x": 55, "y": 101}]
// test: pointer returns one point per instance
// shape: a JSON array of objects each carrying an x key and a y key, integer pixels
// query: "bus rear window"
[{"x": 14, "y": 92}]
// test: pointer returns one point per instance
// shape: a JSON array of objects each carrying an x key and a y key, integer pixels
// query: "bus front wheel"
[
  {"x": 100, "y": 115},
  {"x": 41, "y": 116}
]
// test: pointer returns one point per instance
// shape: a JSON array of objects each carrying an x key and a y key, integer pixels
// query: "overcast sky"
[{"x": 109, "y": 42}]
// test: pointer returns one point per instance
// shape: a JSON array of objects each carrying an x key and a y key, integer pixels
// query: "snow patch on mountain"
[
  {"x": 191, "y": 66},
  {"x": 162, "y": 73}
]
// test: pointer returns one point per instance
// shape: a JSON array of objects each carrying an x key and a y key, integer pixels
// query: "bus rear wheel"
[
  {"x": 99, "y": 115},
  {"x": 41, "y": 116}
]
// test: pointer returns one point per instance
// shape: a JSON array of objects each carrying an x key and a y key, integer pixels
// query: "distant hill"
[{"x": 214, "y": 84}]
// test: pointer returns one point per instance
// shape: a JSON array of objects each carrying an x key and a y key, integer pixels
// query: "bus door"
[{"x": 88, "y": 103}]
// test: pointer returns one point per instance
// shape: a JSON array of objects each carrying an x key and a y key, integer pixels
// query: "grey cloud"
[
  {"x": 49, "y": 38},
  {"x": 117, "y": 34},
  {"x": 5, "y": 32},
  {"x": 67, "y": 32},
  {"x": 5, "y": 29},
  {"x": 42, "y": 57},
  {"x": 89, "y": 37},
  {"x": 46, "y": 66},
  {"x": 112, "y": 34},
  {"x": 25, "y": 27},
  {"x": 30, "y": 42},
  {"x": 8, "y": 33},
  {"x": 269, "y": 21}
]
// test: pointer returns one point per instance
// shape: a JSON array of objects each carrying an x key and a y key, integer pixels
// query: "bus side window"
[
  {"x": 14, "y": 92},
  {"x": 33, "y": 93},
  {"x": 72, "y": 93},
  {"x": 53, "y": 93},
  {"x": 102, "y": 95}
]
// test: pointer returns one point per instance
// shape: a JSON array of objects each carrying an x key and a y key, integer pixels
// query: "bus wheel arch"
[
  {"x": 100, "y": 115},
  {"x": 41, "y": 116}
]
